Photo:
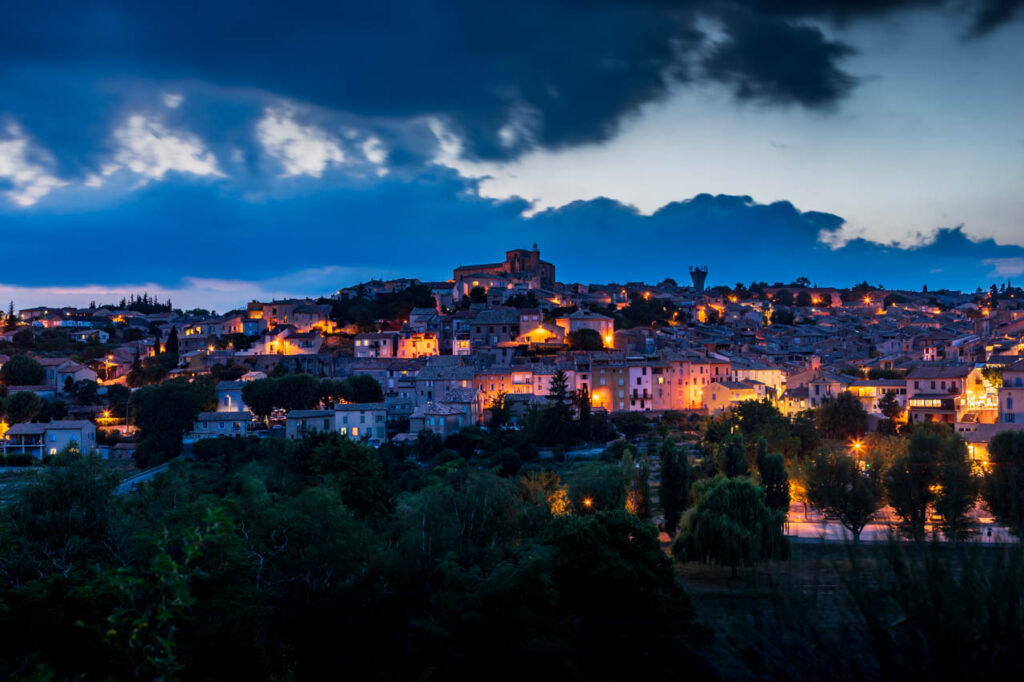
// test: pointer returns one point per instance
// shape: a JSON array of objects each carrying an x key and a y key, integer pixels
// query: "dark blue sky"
[{"x": 218, "y": 151}]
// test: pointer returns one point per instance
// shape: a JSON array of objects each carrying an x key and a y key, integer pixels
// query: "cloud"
[
  {"x": 26, "y": 169},
  {"x": 149, "y": 149},
  {"x": 192, "y": 292},
  {"x": 1005, "y": 267},
  {"x": 425, "y": 226},
  {"x": 172, "y": 100},
  {"x": 301, "y": 149},
  {"x": 374, "y": 150},
  {"x": 769, "y": 59}
]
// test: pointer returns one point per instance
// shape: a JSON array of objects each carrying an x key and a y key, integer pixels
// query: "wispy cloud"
[
  {"x": 150, "y": 149},
  {"x": 25, "y": 167},
  {"x": 301, "y": 149}
]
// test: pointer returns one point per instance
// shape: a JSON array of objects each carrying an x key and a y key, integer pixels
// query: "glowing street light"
[{"x": 588, "y": 502}]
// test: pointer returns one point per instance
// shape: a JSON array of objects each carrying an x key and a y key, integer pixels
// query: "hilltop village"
[{"x": 407, "y": 356}]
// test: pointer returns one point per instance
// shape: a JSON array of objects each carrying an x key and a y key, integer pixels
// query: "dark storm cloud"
[
  {"x": 769, "y": 59},
  {"x": 993, "y": 13},
  {"x": 562, "y": 72}
]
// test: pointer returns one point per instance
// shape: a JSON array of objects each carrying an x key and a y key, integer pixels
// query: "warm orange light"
[
  {"x": 587, "y": 502},
  {"x": 857, "y": 445},
  {"x": 816, "y": 300},
  {"x": 867, "y": 300}
]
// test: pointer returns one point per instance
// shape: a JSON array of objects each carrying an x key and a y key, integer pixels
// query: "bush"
[{"x": 18, "y": 459}]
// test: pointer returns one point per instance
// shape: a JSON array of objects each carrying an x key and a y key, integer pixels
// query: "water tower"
[{"x": 698, "y": 274}]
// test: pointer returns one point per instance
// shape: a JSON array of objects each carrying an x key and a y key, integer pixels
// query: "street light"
[{"x": 588, "y": 502}]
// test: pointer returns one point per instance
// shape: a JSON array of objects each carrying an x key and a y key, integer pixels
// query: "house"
[
  {"x": 214, "y": 424},
  {"x": 1011, "y": 395},
  {"x": 542, "y": 334},
  {"x": 978, "y": 436},
  {"x": 942, "y": 394},
  {"x": 825, "y": 385},
  {"x": 870, "y": 391},
  {"x": 301, "y": 423},
  {"x": 376, "y": 345},
  {"x": 39, "y": 439},
  {"x": 229, "y": 396},
  {"x": 584, "y": 319},
  {"x": 444, "y": 420},
  {"x": 90, "y": 335},
  {"x": 726, "y": 394},
  {"x": 492, "y": 327},
  {"x": 59, "y": 370},
  {"x": 417, "y": 345},
  {"x": 286, "y": 340},
  {"x": 362, "y": 421}
]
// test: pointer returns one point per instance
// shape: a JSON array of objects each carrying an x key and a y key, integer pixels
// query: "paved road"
[
  {"x": 816, "y": 527},
  {"x": 128, "y": 485}
]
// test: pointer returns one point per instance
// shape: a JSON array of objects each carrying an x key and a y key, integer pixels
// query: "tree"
[
  {"x": 595, "y": 486},
  {"x": 771, "y": 469},
  {"x": 117, "y": 400},
  {"x": 957, "y": 489},
  {"x": 1003, "y": 486},
  {"x": 803, "y": 299},
  {"x": 171, "y": 347},
  {"x": 890, "y": 406},
  {"x": 730, "y": 525},
  {"x": 890, "y": 409},
  {"x": 733, "y": 457},
  {"x": 556, "y": 418},
  {"x": 23, "y": 406},
  {"x": 834, "y": 483},
  {"x": 585, "y": 339},
  {"x": 674, "y": 492},
  {"x": 162, "y": 413},
  {"x": 783, "y": 298},
  {"x": 64, "y": 515},
  {"x": 783, "y": 316},
  {"x": 636, "y": 472},
  {"x": 85, "y": 392},
  {"x": 22, "y": 370},
  {"x": 499, "y": 412},
  {"x": 136, "y": 375},
  {"x": 478, "y": 295},
  {"x": 585, "y": 419},
  {"x": 909, "y": 480},
  {"x": 631, "y": 424},
  {"x": 993, "y": 374},
  {"x": 842, "y": 417},
  {"x": 362, "y": 388}
]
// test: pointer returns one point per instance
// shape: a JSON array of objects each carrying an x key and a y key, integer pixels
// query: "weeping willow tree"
[{"x": 731, "y": 525}]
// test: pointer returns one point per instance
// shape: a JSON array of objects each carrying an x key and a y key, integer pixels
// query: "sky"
[{"x": 214, "y": 153}]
